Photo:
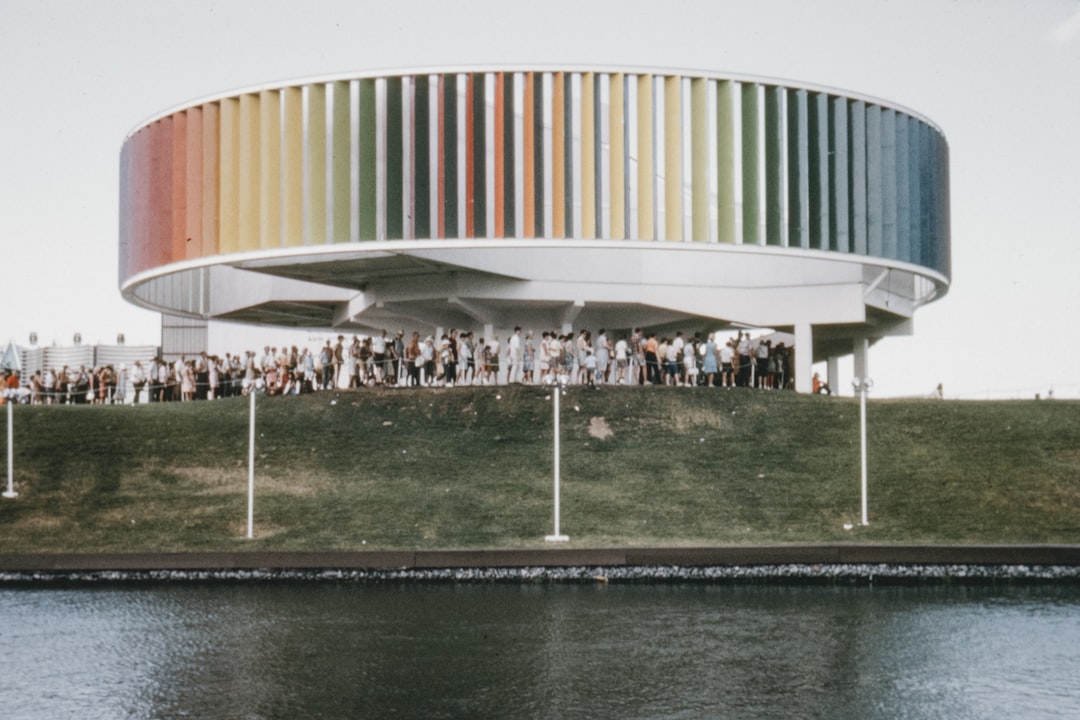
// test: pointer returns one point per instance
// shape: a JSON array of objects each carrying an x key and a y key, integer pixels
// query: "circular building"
[{"x": 546, "y": 197}]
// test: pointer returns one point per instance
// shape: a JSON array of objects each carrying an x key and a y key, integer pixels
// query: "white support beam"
[
  {"x": 477, "y": 312},
  {"x": 347, "y": 311},
  {"x": 804, "y": 358},
  {"x": 877, "y": 281},
  {"x": 569, "y": 314},
  {"x": 427, "y": 318}
]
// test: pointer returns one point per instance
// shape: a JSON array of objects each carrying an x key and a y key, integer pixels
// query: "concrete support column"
[
  {"x": 832, "y": 373},
  {"x": 804, "y": 358},
  {"x": 861, "y": 350}
]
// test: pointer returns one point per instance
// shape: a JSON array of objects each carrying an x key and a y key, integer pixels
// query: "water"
[{"x": 417, "y": 650}]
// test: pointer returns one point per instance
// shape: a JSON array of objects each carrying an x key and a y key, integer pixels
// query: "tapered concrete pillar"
[
  {"x": 832, "y": 373},
  {"x": 861, "y": 350},
  {"x": 804, "y": 358}
]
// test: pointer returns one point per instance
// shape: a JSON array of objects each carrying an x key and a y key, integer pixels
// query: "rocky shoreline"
[{"x": 840, "y": 574}]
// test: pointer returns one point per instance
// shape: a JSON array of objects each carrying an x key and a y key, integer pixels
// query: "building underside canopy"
[{"x": 554, "y": 285}]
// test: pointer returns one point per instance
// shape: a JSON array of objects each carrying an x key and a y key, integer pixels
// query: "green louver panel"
[
  {"x": 940, "y": 241},
  {"x": 421, "y": 209},
  {"x": 725, "y": 160},
  {"x": 509, "y": 227},
  {"x": 316, "y": 161},
  {"x": 798, "y": 179},
  {"x": 368, "y": 176},
  {"x": 342, "y": 164},
  {"x": 913, "y": 190},
  {"x": 479, "y": 156},
  {"x": 538, "y": 155},
  {"x": 774, "y": 168},
  {"x": 395, "y": 160},
  {"x": 699, "y": 162},
  {"x": 857, "y": 175},
  {"x": 751, "y": 144},
  {"x": 926, "y": 213},
  {"x": 819, "y": 171},
  {"x": 939, "y": 227},
  {"x": 903, "y": 190},
  {"x": 839, "y": 165},
  {"x": 875, "y": 202},
  {"x": 449, "y": 150},
  {"x": 888, "y": 184}
]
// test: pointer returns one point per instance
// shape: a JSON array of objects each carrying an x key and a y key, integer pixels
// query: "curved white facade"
[{"x": 546, "y": 198}]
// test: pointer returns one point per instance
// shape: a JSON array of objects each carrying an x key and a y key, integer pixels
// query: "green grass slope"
[{"x": 472, "y": 468}]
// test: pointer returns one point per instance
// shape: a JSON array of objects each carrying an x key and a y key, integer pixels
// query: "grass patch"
[{"x": 472, "y": 468}]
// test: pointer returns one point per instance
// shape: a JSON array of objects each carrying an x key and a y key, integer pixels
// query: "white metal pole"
[
  {"x": 862, "y": 444},
  {"x": 251, "y": 467},
  {"x": 557, "y": 461},
  {"x": 10, "y": 492},
  {"x": 557, "y": 536}
]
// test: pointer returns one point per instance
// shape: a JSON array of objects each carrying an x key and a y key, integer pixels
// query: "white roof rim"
[{"x": 525, "y": 67}]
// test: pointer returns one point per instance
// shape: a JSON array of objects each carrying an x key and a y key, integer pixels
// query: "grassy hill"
[{"x": 472, "y": 467}]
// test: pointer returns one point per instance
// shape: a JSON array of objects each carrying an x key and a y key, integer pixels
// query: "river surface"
[{"x": 444, "y": 650}]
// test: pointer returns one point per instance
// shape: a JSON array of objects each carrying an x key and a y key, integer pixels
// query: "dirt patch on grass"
[
  {"x": 41, "y": 522},
  {"x": 218, "y": 481},
  {"x": 1070, "y": 458},
  {"x": 690, "y": 421},
  {"x": 202, "y": 480},
  {"x": 599, "y": 429}
]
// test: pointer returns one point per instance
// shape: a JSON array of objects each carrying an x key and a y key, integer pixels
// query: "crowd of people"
[
  {"x": 76, "y": 386},
  {"x": 455, "y": 358}
]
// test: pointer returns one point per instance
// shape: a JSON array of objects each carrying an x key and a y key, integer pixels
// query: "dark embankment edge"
[{"x": 799, "y": 562}]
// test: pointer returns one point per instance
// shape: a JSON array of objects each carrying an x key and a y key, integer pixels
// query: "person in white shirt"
[
  {"x": 602, "y": 351},
  {"x": 743, "y": 348},
  {"x": 466, "y": 366},
  {"x": 543, "y": 360},
  {"x": 761, "y": 354},
  {"x": 727, "y": 365},
  {"x": 513, "y": 371},
  {"x": 690, "y": 368},
  {"x": 378, "y": 352},
  {"x": 678, "y": 344},
  {"x": 622, "y": 361}
]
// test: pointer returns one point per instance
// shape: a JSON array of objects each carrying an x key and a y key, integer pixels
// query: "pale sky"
[{"x": 1001, "y": 78}]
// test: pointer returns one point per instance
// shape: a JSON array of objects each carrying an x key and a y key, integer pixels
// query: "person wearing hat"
[{"x": 448, "y": 355}]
